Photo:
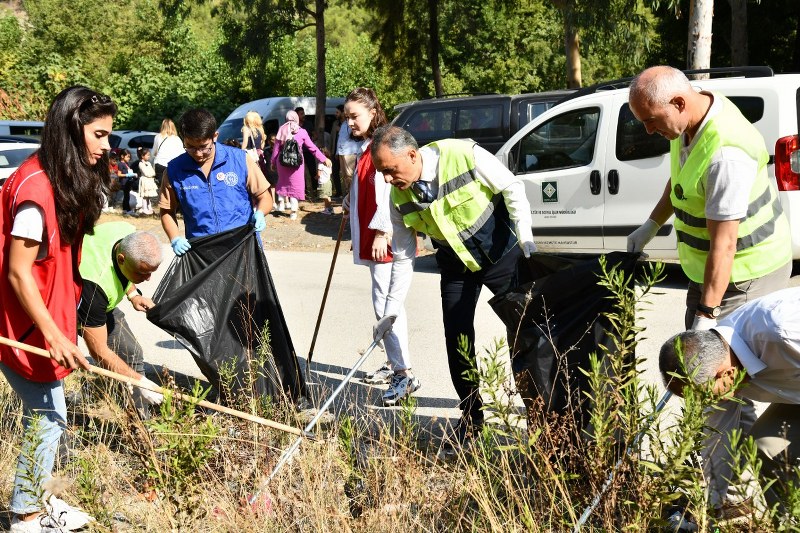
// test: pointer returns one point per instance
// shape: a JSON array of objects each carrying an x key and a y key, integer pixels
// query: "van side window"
[
  {"x": 28, "y": 131},
  {"x": 633, "y": 142},
  {"x": 431, "y": 124},
  {"x": 532, "y": 110},
  {"x": 565, "y": 141},
  {"x": 144, "y": 141},
  {"x": 752, "y": 107},
  {"x": 479, "y": 122}
]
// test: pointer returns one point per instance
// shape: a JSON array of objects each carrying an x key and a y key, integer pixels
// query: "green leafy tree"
[{"x": 252, "y": 27}]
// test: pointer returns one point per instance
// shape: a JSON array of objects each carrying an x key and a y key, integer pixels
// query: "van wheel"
[{"x": 795, "y": 268}]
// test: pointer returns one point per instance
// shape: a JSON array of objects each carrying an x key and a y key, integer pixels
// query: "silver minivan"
[{"x": 273, "y": 114}]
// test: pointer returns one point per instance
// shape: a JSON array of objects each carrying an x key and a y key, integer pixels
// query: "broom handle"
[
  {"x": 325, "y": 293},
  {"x": 155, "y": 388}
]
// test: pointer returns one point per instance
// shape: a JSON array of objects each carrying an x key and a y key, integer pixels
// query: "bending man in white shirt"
[{"x": 761, "y": 338}]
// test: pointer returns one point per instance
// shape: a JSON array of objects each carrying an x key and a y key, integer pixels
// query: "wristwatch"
[{"x": 713, "y": 311}]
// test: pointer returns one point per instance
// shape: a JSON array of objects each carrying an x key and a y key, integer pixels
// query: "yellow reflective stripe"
[
  {"x": 757, "y": 236},
  {"x": 412, "y": 207},
  {"x": 456, "y": 183},
  {"x": 466, "y": 233}
]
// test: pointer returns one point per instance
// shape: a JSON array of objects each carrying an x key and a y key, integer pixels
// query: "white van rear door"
[
  {"x": 561, "y": 160},
  {"x": 637, "y": 171}
]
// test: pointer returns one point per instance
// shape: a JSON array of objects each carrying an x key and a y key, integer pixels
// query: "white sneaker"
[
  {"x": 279, "y": 207},
  {"x": 293, "y": 216},
  {"x": 65, "y": 516},
  {"x": 382, "y": 376},
  {"x": 401, "y": 387}
]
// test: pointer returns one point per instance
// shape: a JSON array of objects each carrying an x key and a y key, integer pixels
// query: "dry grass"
[{"x": 185, "y": 470}]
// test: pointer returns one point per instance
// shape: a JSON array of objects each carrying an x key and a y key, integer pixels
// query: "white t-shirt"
[
  {"x": 29, "y": 224},
  {"x": 730, "y": 175},
  {"x": 165, "y": 149}
]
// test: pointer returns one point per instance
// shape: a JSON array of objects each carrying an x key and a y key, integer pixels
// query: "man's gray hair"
[
  {"x": 657, "y": 85},
  {"x": 692, "y": 353},
  {"x": 141, "y": 246},
  {"x": 394, "y": 138}
]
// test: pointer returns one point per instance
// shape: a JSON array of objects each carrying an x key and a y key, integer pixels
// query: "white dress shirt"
[{"x": 765, "y": 336}]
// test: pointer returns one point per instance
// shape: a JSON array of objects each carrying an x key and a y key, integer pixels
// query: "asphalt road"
[{"x": 347, "y": 323}]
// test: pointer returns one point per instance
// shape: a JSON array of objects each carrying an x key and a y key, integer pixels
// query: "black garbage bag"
[
  {"x": 216, "y": 300},
  {"x": 553, "y": 331}
]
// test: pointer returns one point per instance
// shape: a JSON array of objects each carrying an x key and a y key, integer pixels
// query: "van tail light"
[{"x": 787, "y": 163}]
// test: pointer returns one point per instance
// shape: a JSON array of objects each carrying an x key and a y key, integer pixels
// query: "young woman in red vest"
[
  {"x": 46, "y": 206},
  {"x": 371, "y": 229}
]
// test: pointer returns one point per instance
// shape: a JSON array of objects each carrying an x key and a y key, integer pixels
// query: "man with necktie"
[{"x": 477, "y": 215}]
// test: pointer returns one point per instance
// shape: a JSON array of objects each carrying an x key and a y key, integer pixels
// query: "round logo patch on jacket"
[{"x": 230, "y": 178}]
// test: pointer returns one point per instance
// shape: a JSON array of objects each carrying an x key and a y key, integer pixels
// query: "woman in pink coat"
[{"x": 291, "y": 181}]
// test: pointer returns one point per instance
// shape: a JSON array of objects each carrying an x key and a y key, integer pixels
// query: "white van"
[
  {"x": 273, "y": 114},
  {"x": 592, "y": 174},
  {"x": 25, "y": 128}
]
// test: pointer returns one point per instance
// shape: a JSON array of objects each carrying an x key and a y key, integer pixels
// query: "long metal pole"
[
  {"x": 291, "y": 450},
  {"x": 585, "y": 516},
  {"x": 155, "y": 388},
  {"x": 327, "y": 288}
]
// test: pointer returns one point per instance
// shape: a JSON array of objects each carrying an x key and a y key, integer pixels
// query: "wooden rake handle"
[{"x": 155, "y": 388}]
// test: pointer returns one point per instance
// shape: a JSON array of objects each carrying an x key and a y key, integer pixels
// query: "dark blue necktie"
[{"x": 423, "y": 191}]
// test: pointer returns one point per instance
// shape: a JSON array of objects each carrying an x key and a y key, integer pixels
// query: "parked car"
[
  {"x": 592, "y": 173},
  {"x": 12, "y": 155},
  {"x": 18, "y": 139},
  {"x": 29, "y": 128},
  {"x": 490, "y": 119},
  {"x": 131, "y": 140},
  {"x": 273, "y": 114}
]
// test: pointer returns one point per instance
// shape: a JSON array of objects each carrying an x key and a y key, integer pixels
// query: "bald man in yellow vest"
[{"x": 733, "y": 237}]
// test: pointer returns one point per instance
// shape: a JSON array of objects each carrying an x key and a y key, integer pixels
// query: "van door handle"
[
  {"x": 594, "y": 182},
  {"x": 613, "y": 181}
]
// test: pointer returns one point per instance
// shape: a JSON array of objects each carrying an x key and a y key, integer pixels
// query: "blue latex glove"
[
  {"x": 180, "y": 245},
  {"x": 258, "y": 220}
]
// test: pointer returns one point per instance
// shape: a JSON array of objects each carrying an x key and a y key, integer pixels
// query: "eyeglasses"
[{"x": 199, "y": 150}]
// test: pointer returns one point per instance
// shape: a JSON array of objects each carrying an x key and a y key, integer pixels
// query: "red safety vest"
[
  {"x": 56, "y": 276},
  {"x": 365, "y": 174}
]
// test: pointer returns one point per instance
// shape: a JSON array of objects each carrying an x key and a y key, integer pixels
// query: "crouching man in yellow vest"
[
  {"x": 733, "y": 237},
  {"x": 476, "y": 214},
  {"x": 113, "y": 260}
]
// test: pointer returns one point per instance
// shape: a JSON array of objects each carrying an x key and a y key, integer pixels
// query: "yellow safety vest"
[
  {"x": 97, "y": 261},
  {"x": 466, "y": 214},
  {"x": 764, "y": 242}
]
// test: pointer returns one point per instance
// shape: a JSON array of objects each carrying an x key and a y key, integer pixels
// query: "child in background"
[
  {"x": 325, "y": 187},
  {"x": 148, "y": 189},
  {"x": 114, "y": 185}
]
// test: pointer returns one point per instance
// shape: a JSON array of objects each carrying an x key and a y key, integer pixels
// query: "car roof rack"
[
  {"x": 621, "y": 83},
  {"x": 459, "y": 95}
]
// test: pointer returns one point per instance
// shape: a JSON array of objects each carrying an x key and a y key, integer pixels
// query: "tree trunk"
[
  {"x": 433, "y": 30},
  {"x": 319, "y": 17},
  {"x": 699, "y": 49},
  {"x": 572, "y": 47},
  {"x": 739, "y": 52}
]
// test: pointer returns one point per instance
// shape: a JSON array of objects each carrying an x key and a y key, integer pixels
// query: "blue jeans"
[{"x": 45, "y": 400}]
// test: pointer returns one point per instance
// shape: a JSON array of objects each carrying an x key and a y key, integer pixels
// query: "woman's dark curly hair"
[
  {"x": 368, "y": 98},
  {"x": 79, "y": 184}
]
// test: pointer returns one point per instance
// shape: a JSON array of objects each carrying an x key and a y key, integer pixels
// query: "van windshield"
[{"x": 230, "y": 129}]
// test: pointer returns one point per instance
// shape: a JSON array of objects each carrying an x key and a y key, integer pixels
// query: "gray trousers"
[
  {"x": 777, "y": 437},
  {"x": 730, "y": 415}
]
